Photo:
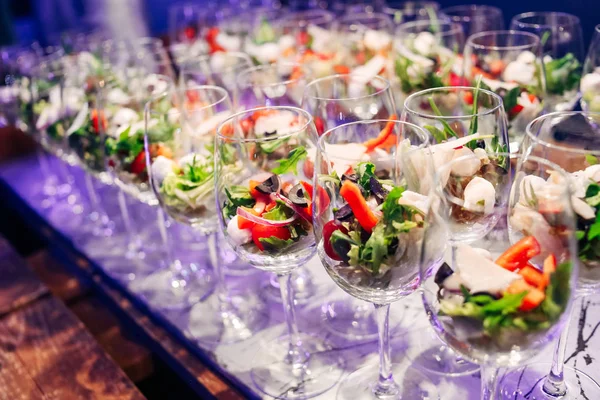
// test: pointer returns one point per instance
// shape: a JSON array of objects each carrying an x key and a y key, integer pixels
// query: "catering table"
[{"x": 93, "y": 259}]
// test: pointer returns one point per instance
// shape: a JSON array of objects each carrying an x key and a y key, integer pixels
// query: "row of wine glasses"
[{"x": 271, "y": 179}]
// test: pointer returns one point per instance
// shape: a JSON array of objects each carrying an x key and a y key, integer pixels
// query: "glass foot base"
[
  {"x": 410, "y": 384},
  {"x": 162, "y": 292},
  {"x": 430, "y": 355},
  {"x": 350, "y": 319},
  {"x": 302, "y": 282},
  {"x": 211, "y": 323},
  {"x": 275, "y": 377},
  {"x": 526, "y": 383}
]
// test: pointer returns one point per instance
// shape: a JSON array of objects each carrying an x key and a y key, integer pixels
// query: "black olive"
[
  {"x": 442, "y": 274},
  {"x": 343, "y": 213},
  {"x": 297, "y": 196},
  {"x": 378, "y": 190},
  {"x": 270, "y": 133},
  {"x": 382, "y": 174},
  {"x": 485, "y": 294},
  {"x": 271, "y": 185},
  {"x": 341, "y": 247},
  {"x": 480, "y": 144},
  {"x": 351, "y": 178}
]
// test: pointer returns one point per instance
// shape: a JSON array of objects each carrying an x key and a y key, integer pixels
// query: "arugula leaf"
[
  {"x": 270, "y": 146},
  {"x": 265, "y": 33},
  {"x": 511, "y": 98},
  {"x": 591, "y": 159},
  {"x": 274, "y": 244},
  {"x": 405, "y": 226},
  {"x": 562, "y": 74},
  {"x": 280, "y": 212},
  {"x": 290, "y": 164},
  {"x": 197, "y": 171},
  {"x": 500, "y": 148},
  {"x": 376, "y": 248},
  {"x": 447, "y": 128},
  {"x": 237, "y": 196},
  {"x": 438, "y": 135},
  {"x": 401, "y": 67},
  {"x": 392, "y": 211},
  {"x": 592, "y": 195},
  {"x": 557, "y": 292},
  {"x": 365, "y": 170},
  {"x": 507, "y": 304}
]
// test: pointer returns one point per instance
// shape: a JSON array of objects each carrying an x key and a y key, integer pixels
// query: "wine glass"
[
  {"x": 182, "y": 177},
  {"x": 48, "y": 118},
  {"x": 562, "y": 49},
  {"x": 179, "y": 287},
  {"x": 338, "y": 99},
  {"x": 463, "y": 121},
  {"x": 475, "y": 18},
  {"x": 570, "y": 139},
  {"x": 428, "y": 55},
  {"x": 263, "y": 199},
  {"x": 368, "y": 207},
  {"x": 84, "y": 125},
  {"x": 280, "y": 84},
  {"x": 590, "y": 82},
  {"x": 306, "y": 37},
  {"x": 16, "y": 67},
  {"x": 218, "y": 69},
  {"x": 262, "y": 41},
  {"x": 509, "y": 63},
  {"x": 409, "y": 11},
  {"x": 500, "y": 299},
  {"x": 333, "y": 101},
  {"x": 366, "y": 42}
]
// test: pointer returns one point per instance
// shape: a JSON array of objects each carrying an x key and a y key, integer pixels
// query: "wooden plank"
[
  {"x": 214, "y": 384},
  {"x": 15, "y": 381},
  {"x": 18, "y": 286},
  {"x": 56, "y": 277},
  {"x": 61, "y": 356},
  {"x": 133, "y": 358}
]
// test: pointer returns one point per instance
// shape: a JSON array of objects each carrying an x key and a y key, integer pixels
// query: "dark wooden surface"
[
  {"x": 18, "y": 285},
  {"x": 45, "y": 351}
]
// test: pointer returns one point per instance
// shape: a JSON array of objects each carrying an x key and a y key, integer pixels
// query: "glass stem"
[
  {"x": 97, "y": 214},
  {"x": 135, "y": 242},
  {"x": 489, "y": 374},
  {"x": 220, "y": 285},
  {"x": 554, "y": 383},
  {"x": 386, "y": 387},
  {"x": 174, "y": 264},
  {"x": 296, "y": 355}
]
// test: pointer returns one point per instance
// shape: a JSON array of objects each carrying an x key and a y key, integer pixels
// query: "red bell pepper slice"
[
  {"x": 533, "y": 298},
  {"x": 519, "y": 254},
  {"x": 534, "y": 277},
  {"x": 265, "y": 231},
  {"x": 323, "y": 198},
  {"x": 341, "y": 69},
  {"x": 372, "y": 144},
  {"x": 352, "y": 194}
]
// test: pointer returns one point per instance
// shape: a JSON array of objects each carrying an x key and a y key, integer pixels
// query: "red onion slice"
[
  {"x": 299, "y": 210},
  {"x": 262, "y": 221}
]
